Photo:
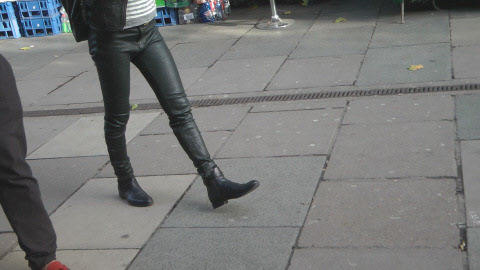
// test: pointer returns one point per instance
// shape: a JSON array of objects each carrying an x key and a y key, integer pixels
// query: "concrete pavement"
[{"x": 373, "y": 182}]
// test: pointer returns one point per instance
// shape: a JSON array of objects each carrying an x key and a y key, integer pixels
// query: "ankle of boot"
[{"x": 206, "y": 169}]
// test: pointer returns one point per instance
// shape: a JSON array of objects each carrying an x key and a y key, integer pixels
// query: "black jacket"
[{"x": 107, "y": 15}]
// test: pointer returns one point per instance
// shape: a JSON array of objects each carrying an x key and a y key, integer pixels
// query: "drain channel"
[{"x": 286, "y": 97}]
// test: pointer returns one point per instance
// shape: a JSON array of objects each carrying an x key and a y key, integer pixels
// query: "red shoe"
[{"x": 56, "y": 265}]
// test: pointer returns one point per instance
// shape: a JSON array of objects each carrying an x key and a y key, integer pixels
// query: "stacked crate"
[
  {"x": 165, "y": 15},
  {"x": 8, "y": 21},
  {"x": 40, "y": 17}
]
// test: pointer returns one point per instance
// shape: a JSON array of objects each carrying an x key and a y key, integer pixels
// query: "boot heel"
[{"x": 218, "y": 204}]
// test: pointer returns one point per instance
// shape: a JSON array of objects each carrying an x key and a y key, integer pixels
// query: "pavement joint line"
[{"x": 211, "y": 102}]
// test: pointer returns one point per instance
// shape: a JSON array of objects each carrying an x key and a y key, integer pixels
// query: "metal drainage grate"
[{"x": 286, "y": 97}]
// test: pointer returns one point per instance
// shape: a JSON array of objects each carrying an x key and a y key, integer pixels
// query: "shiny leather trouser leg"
[
  {"x": 146, "y": 49},
  {"x": 19, "y": 191}
]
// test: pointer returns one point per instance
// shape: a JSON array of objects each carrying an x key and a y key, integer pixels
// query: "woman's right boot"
[{"x": 128, "y": 187}]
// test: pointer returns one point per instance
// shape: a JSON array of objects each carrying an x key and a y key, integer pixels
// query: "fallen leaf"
[
  {"x": 340, "y": 19},
  {"x": 287, "y": 12},
  {"x": 25, "y": 48},
  {"x": 415, "y": 67},
  {"x": 133, "y": 107}
]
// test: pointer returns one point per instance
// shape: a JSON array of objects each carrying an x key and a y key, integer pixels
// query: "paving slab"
[
  {"x": 404, "y": 213},
  {"x": 190, "y": 75},
  {"x": 428, "y": 28},
  {"x": 466, "y": 61},
  {"x": 423, "y": 149},
  {"x": 331, "y": 42},
  {"x": 7, "y": 241},
  {"x": 399, "y": 109},
  {"x": 207, "y": 119},
  {"x": 39, "y": 130},
  {"x": 473, "y": 236},
  {"x": 88, "y": 132},
  {"x": 289, "y": 133},
  {"x": 33, "y": 90},
  {"x": 286, "y": 188},
  {"x": 84, "y": 88},
  {"x": 30, "y": 61},
  {"x": 468, "y": 117},
  {"x": 299, "y": 105},
  {"x": 221, "y": 248},
  {"x": 162, "y": 154},
  {"x": 96, "y": 218},
  {"x": 187, "y": 55},
  {"x": 278, "y": 43},
  {"x": 465, "y": 32},
  {"x": 317, "y": 71},
  {"x": 244, "y": 75},
  {"x": 78, "y": 259},
  {"x": 68, "y": 65},
  {"x": 435, "y": 58},
  {"x": 367, "y": 259},
  {"x": 365, "y": 17},
  {"x": 470, "y": 159}
]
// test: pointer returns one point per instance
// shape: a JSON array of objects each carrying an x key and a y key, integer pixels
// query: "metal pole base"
[{"x": 274, "y": 23}]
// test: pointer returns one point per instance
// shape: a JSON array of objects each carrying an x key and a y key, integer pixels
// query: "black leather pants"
[{"x": 112, "y": 52}]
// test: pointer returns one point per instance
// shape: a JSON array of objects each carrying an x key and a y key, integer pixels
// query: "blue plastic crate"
[
  {"x": 41, "y": 27},
  {"x": 166, "y": 16},
  {"x": 9, "y": 29},
  {"x": 38, "y": 9},
  {"x": 6, "y": 7}
]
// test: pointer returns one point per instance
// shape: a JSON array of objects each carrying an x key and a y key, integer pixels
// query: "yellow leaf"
[
  {"x": 287, "y": 12},
  {"x": 25, "y": 48},
  {"x": 415, "y": 67},
  {"x": 340, "y": 19},
  {"x": 134, "y": 107}
]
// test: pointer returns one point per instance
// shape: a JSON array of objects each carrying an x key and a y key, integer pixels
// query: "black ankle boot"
[
  {"x": 220, "y": 189},
  {"x": 131, "y": 191}
]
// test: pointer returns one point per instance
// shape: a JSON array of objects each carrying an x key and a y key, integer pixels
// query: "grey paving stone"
[
  {"x": 427, "y": 29},
  {"x": 404, "y": 213},
  {"x": 309, "y": 132},
  {"x": 162, "y": 154},
  {"x": 464, "y": 12},
  {"x": 359, "y": 17},
  {"x": 255, "y": 46},
  {"x": 466, "y": 61},
  {"x": 470, "y": 159},
  {"x": 331, "y": 42},
  {"x": 399, "y": 109},
  {"x": 286, "y": 188},
  {"x": 190, "y": 75},
  {"x": 82, "y": 89},
  {"x": 244, "y": 75},
  {"x": 299, "y": 105},
  {"x": 468, "y": 117},
  {"x": 96, "y": 218},
  {"x": 222, "y": 248},
  {"x": 68, "y": 65},
  {"x": 33, "y": 90},
  {"x": 318, "y": 71},
  {"x": 465, "y": 32},
  {"x": 139, "y": 87},
  {"x": 435, "y": 58},
  {"x": 78, "y": 259},
  {"x": 88, "y": 132},
  {"x": 423, "y": 149},
  {"x": 200, "y": 54},
  {"x": 40, "y": 130},
  {"x": 30, "y": 61},
  {"x": 473, "y": 236},
  {"x": 368, "y": 259},
  {"x": 7, "y": 241},
  {"x": 230, "y": 29},
  {"x": 60, "y": 178},
  {"x": 207, "y": 119}
]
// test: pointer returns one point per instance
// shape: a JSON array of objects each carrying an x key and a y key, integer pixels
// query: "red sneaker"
[{"x": 56, "y": 265}]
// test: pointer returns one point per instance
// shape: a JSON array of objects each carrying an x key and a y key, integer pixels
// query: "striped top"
[{"x": 140, "y": 12}]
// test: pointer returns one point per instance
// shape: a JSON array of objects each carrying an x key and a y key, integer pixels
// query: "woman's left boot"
[{"x": 219, "y": 188}]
